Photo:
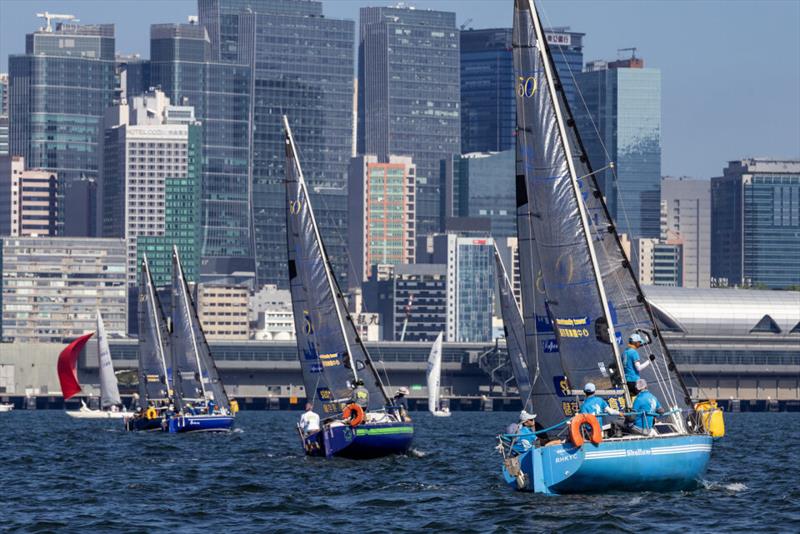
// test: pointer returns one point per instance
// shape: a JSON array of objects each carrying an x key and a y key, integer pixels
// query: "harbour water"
[{"x": 59, "y": 474}]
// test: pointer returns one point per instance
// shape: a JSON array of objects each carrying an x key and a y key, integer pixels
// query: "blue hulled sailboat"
[
  {"x": 332, "y": 356},
  {"x": 580, "y": 299}
]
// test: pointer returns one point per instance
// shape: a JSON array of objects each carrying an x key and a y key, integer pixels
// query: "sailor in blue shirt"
[
  {"x": 645, "y": 405},
  {"x": 632, "y": 364},
  {"x": 526, "y": 435},
  {"x": 596, "y": 405}
]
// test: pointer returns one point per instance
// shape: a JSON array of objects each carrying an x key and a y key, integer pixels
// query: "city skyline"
[{"x": 703, "y": 126}]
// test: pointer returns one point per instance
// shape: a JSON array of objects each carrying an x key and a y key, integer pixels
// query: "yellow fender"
[
  {"x": 710, "y": 416},
  {"x": 234, "y": 406}
]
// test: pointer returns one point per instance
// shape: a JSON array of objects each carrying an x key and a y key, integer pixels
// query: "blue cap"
[
  {"x": 635, "y": 338},
  {"x": 589, "y": 388}
]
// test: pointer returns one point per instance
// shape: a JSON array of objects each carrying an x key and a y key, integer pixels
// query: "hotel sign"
[{"x": 560, "y": 39}]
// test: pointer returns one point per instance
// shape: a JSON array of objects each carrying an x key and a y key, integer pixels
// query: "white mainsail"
[
  {"x": 109, "y": 391},
  {"x": 434, "y": 374}
]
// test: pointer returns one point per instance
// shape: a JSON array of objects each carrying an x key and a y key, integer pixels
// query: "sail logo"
[
  {"x": 576, "y": 327},
  {"x": 526, "y": 86},
  {"x": 315, "y": 368},
  {"x": 561, "y": 385},
  {"x": 549, "y": 346},
  {"x": 330, "y": 360},
  {"x": 295, "y": 206}
]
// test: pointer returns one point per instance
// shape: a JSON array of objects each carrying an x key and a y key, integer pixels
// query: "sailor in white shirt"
[{"x": 309, "y": 421}]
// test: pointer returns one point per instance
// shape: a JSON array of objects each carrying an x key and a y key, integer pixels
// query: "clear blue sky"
[{"x": 730, "y": 68}]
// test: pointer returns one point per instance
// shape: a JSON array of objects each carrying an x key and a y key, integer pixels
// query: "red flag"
[{"x": 68, "y": 367}]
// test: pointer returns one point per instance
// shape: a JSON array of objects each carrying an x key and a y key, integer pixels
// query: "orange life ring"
[
  {"x": 575, "y": 434},
  {"x": 356, "y": 418}
]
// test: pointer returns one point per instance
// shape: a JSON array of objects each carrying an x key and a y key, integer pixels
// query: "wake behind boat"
[
  {"x": 580, "y": 300},
  {"x": 359, "y": 420}
]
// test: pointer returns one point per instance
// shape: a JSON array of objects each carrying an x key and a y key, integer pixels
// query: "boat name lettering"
[
  {"x": 566, "y": 458},
  {"x": 638, "y": 452}
]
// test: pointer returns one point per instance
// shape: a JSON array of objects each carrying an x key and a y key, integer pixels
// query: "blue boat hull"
[
  {"x": 180, "y": 424},
  {"x": 361, "y": 442},
  {"x": 664, "y": 463}
]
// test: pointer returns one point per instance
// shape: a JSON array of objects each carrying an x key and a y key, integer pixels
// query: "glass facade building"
[
  {"x": 409, "y": 95},
  {"x": 488, "y": 104},
  {"x": 621, "y": 123},
  {"x": 181, "y": 65},
  {"x": 485, "y": 188},
  {"x": 755, "y": 224},
  {"x": 58, "y": 92},
  {"x": 302, "y": 65}
]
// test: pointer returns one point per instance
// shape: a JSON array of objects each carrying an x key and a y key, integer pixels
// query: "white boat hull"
[
  {"x": 98, "y": 414},
  {"x": 441, "y": 414},
  {"x": 6, "y": 407}
]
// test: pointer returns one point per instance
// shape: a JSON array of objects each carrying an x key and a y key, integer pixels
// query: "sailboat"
[
  {"x": 580, "y": 299},
  {"x": 155, "y": 390},
  {"x": 109, "y": 390},
  {"x": 514, "y": 330},
  {"x": 200, "y": 400},
  {"x": 434, "y": 377},
  {"x": 332, "y": 356}
]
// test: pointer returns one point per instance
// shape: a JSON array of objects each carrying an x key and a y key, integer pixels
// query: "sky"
[{"x": 730, "y": 68}]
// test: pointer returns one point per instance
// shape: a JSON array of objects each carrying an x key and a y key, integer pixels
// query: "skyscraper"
[
  {"x": 488, "y": 105},
  {"x": 686, "y": 217},
  {"x": 220, "y": 93},
  {"x": 28, "y": 200},
  {"x": 58, "y": 92},
  {"x": 4, "y": 133},
  {"x": 485, "y": 188},
  {"x": 302, "y": 65},
  {"x": 621, "y": 123},
  {"x": 755, "y": 223},
  {"x": 409, "y": 95}
]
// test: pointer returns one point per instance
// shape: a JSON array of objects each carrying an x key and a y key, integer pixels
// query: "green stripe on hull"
[{"x": 384, "y": 431}]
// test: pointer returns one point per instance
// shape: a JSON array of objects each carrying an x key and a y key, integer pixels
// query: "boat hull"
[
  {"x": 180, "y": 424},
  {"x": 6, "y": 407},
  {"x": 663, "y": 463},
  {"x": 98, "y": 414},
  {"x": 440, "y": 414},
  {"x": 142, "y": 424},
  {"x": 372, "y": 440}
]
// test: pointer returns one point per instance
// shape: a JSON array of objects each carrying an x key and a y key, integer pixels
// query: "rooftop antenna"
[
  {"x": 49, "y": 17},
  {"x": 632, "y": 50}
]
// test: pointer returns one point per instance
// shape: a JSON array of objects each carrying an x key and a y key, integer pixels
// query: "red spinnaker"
[{"x": 68, "y": 367}]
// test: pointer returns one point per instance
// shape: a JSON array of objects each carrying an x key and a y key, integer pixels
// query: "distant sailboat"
[
  {"x": 109, "y": 390},
  {"x": 332, "y": 357},
  {"x": 155, "y": 390},
  {"x": 200, "y": 399},
  {"x": 434, "y": 377},
  {"x": 580, "y": 299}
]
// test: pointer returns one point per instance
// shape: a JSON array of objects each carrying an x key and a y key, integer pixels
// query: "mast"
[
  {"x": 152, "y": 299},
  {"x": 548, "y": 69},
  {"x": 325, "y": 261},
  {"x": 191, "y": 326}
]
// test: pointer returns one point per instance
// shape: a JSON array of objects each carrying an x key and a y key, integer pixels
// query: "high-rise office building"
[
  {"x": 381, "y": 210},
  {"x": 3, "y": 93},
  {"x": 222, "y": 311},
  {"x": 58, "y": 91},
  {"x": 4, "y": 127},
  {"x": 409, "y": 95},
  {"x": 686, "y": 217},
  {"x": 484, "y": 187},
  {"x": 660, "y": 262},
  {"x": 181, "y": 65},
  {"x": 621, "y": 123},
  {"x": 28, "y": 199},
  {"x": 52, "y": 287},
  {"x": 4, "y": 135},
  {"x": 151, "y": 143},
  {"x": 755, "y": 223},
  {"x": 302, "y": 64},
  {"x": 488, "y": 84},
  {"x": 133, "y": 74}
]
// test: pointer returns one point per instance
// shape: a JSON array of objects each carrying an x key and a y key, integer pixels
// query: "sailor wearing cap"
[
  {"x": 525, "y": 432},
  {"x": 631, "y": 362},
  {"x": 647, "y": 405},
  {"x": 401, "y": 402},
  {"x": 595, "y": 405}
]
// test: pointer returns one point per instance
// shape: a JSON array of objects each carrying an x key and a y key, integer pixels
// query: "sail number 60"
[{"x": 526, "y": 86}]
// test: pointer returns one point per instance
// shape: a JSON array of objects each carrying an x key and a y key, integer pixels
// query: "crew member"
[
  {"x": 632, "y": 364},
  {"x": 361, "y": 394},
  {"x": 645, "y": 406},
  {"x": 309, "y": 421},
  {"x": 595, "y": 405},
  {"x": 401, "y": 402},
  {"x": 526, "y": 435}
]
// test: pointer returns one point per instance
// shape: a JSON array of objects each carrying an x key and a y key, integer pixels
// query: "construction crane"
[
  {"x": 465, "y": 24},
  {"x": 49, "y": 17},
  {"x": 632, "y": 50}
]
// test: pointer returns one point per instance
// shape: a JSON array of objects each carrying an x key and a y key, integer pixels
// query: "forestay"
[
  {"x": 109, "y": 392},
  {"x": 196, "y": 374},
  {"x": 589, "y": 286},
  {"x": 434, "y": 374},
  {"x": 331, "y": 354},
  {"x": 154, "y": 343}
]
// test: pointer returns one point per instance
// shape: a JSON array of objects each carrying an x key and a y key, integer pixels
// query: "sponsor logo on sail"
[
  {"x": 330, "y": 360},
  {"x": 576, "y": 327},
  {"x": 550, "y": 346}
]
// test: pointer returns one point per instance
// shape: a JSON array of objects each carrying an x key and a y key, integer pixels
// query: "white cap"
[
  {"x": 641, "y": 384},
  {"x": 635, "y": 338},
  {"x": 525, "y": 416},
  {"x": 589, "y": 388},
  {"x": 402, "y": 391}
]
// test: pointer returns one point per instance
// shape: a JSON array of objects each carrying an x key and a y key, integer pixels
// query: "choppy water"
[{"x": 57, "y": 474}]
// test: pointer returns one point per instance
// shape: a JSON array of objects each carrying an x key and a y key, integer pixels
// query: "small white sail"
[
  {"x": 434, "y": 374},
  {"x": 109, "y": 392}
]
